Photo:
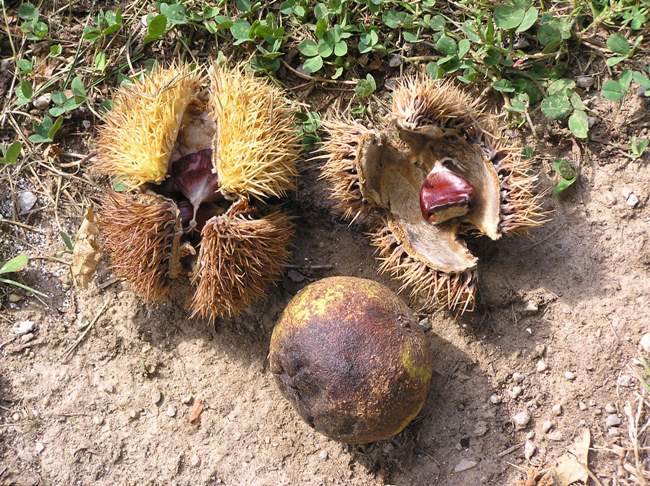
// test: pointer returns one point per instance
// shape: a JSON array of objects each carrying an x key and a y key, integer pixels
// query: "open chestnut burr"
[{"x": 432, "y": 173}]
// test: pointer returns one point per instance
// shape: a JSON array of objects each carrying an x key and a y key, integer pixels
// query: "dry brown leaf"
[
  {"x": 197, "y": 410},
  {"x": 572, "y": 466},
  {"x": 85, "y": 254}
]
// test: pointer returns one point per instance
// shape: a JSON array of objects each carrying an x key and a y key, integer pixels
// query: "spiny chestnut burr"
[
  {"x": 444, "y": 195},
  {"x": 201, "y": 162},
  {"x": 434, "y": 172}
]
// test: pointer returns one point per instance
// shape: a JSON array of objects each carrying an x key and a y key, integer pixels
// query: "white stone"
[
  {"x": 464, "y": 465},
  {"x": 495, "y": 399},
  {"x": 613, "y": 421},
  {"x": 546, "y": 426},
  {"x": 531, "y": 307},
  {"x": 610, "y": 408},
  {"x": 156, "y": 396},
  {"x": 632, "y": 200},
  {"x": 557, "y": 409},
  {"x": 521, "y": 419},
  {"x": 518, "y": 377},
  {"x": 171, "y": 411},
  {"x": 39, "y": 447},
  {"x": 26, "y": 201},
  {"x": 42, "y": 101},
  {"x": 322, "y": 455},
  {"x": 569, "y": 375},
  {"x": 516, "y": 391},
  {"x": 24, "y": 327},
  {"x": 556, "y": 435},
  {"x": 195, "y": 461},
  {"x": 645, "y": 342},
  {"x": 541, "y": 366},
  {"x": 529, "y": 449}
]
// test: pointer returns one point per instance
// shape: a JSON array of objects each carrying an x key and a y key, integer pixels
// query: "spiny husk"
[
  {"x": 340, "y": 170},
  {"x": 139, "y": 133},
  {"x": 238, "y": 258},
  {"x": 141, "y": 234},
  {"x": 434, "y": 290},
  {"x": 256, "y": 146},
  {"x": 521, "y": 207},
  {"x": 420, "y": 100}
]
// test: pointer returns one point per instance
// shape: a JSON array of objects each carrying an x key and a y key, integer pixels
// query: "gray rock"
[
  {"x": 613, "y": 421},
  {"x": 546, "y": 426},
  {"x": 613, "y": 431},
  {"x": 518, "y": 377},
  {"x": 584, "y": 82},
  {"x": 42, "y": 102},
  {"x": 395, "y": 60},
  {"x": 322, "y": 455},
  {"x": 521, "y": 419},
  {"x": 624, "y": 380},
  {"x": 295, "y": 276},
  {"x": 25, "y": 201},
  {"x": 464, "y": 465},
  {"x": 495, "y": 399},
  {"x": 24, "y": 327},
  {"x": 556, "y": 435}
]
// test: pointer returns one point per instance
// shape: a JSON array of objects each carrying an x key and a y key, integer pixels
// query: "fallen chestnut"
[{"x": 349, "y": 355}]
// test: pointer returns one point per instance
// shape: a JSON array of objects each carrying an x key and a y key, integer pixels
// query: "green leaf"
[
  {"x": 119, "y": 186},
  {"x": 10, "y": 155},
  {"x": 325, "y": 49},
  {"x": 16, "y": 264},
  {"x": 240, "y": 31},
  {"x": 638, "y": 146},
  {"x": 576, "y": 102},
  {"x": 340, "y": 49},
  {"x": 508, "y": 16},
  {"x": 156, "y": 28},
  {"x": 613, "y": 90},
  {"x": 529, "y": 20},
  {"x": 46, "y": 130},
  {"x": 365, "y": 87},
  {"x": 503, "y": 85},
  {"x": 175, "y": 13},
  {"x": 614, "y": 60},
  {"x": 549, "y": 33},
  {"x": 556, "y": 106},
  {"x": 78, "y": 88},
  {"x": 100, "y": 61},
  {"x": 463, "y": 48},
  {"x": 25, "y": 65},
  {"x": 567, "y": 175},
  {"x": 618, "y": 44},
  {"x": 67, "y": 241},
  {"x": 446, "y": 45},
  {"x": 55, "y": 50},
  {"x": 410, "y": 36},
  {"x": 579, "y": 124},
  {"x": 561, "y": 86},
  {"x": 24, "y": 92},
  {"x": 308, "y": 48},
  {"x": 313, "y": 64}
]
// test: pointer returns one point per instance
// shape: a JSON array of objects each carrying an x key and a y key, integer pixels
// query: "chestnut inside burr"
[{"x": 444, "y": 195}]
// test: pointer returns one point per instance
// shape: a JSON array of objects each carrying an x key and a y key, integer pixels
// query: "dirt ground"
[{"x": 574, "y": 294}]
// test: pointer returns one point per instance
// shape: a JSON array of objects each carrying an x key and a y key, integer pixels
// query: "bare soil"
[{"x": 118, "y": 411}]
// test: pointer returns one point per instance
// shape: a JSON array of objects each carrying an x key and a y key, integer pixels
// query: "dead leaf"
[
  {"x": 197, "y": 410},
  {"x": 572, "y": 466},
  {"x": 85, "y": 254}
]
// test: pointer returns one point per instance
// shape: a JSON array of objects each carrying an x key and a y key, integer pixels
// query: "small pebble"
[
  {"x": 480, "y": 428},
  {"x": 610, "y": 408},
  {"x": 464, "y": 465},
  {"x": 624, "y": 380},
  {"x": 531, "y": 307},
  {"x": 521, "y": 420},
  {"x": 557, "y": 409},
  {"x": 16, "y": 417},
  {"x": 518, "y": 377},
  {"x": 546, "y": 426},
  {"x": 42, "y": 101},
  {"x": 556, "y": 435},
  {"x": 395, "y": 60},
  {"x": 645, "y": 342},
  {"x": 529, "y": 449},
  {"x": 86, "y": 124},
  {"x": 516, "y": 391},
  {"x": 495, "y": 399},
  {"x": 584, "y": 81},
  {"x": 156, "y": 396},
  {"x": 195, "y": 461},
  {"x": 171, "y": 411},
  {"x": 582, "y": 406},
  {"x": 186, "y": 400},
  {"x": 322, "y": 455},
  {"x": 98, "y": 420},
  {"x": 425, "y": 324},
  {"x": 26, "y": 201},
  {"x": 134, "y": 414},
  {"x": 632, "y": 200},
  {"x": 25, "y": 338},
  {"x": 541, "y": 366},
  {"x": 39, "y": 447},
  {"x": 592, "y": 121},
  {"x": 24, "y": 327},
  {"x": 530, "y": 435},
  {"x": 613, "y": 431},
  {"x": 569, "y": 375},
  {"x": 613, "y": 421}
]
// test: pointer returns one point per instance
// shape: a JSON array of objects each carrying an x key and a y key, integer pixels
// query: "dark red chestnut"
[{"x": 444, "y": 195}]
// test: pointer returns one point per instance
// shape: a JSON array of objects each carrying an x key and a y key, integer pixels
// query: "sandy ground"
[{"x": 574, "y": 294}]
